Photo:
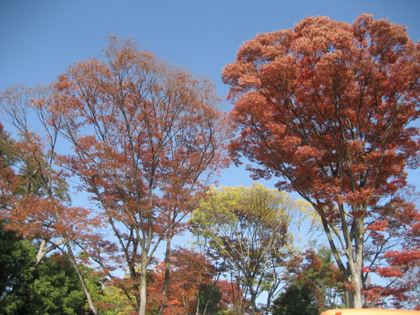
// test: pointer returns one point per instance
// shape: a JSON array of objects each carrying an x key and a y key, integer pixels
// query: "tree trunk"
[
  {"x": 143, "y": 283},
  {"x": 357, "y": 296},
  {"x": 197, "y": 307},
  {"x": 82, "y": 280},
  {"x": 167, "y": 271}
]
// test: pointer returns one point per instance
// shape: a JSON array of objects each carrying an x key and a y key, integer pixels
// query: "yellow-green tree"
[{"x": 253, "y": 233}]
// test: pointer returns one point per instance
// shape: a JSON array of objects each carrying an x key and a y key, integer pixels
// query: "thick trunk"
[
  {"x": 352, "y": 274},
  {"x": 357, "y": 263},
  {"x": 44, "y": 250},
  {"x": 167, "y": 270},
  {"x": 357, "y": 301},
  {"x": 143, "y": 282},
  {"x": 354, "y": 297}
]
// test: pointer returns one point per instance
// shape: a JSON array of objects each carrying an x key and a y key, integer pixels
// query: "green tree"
[
  {"x": 254, "y": 231},
  {"x": 16, "y": 267},
  {"x": 296, "y": 300},
  {"x": 50, "y": 288},
  {"x": 210, "y": 297}
]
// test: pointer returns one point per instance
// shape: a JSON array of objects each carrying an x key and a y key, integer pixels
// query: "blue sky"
[{"x": 39, "y": 39}]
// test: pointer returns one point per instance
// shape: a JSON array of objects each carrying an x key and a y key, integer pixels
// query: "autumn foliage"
[
  {"x": 146, "y": 137},
  {"x": 326, "y": 107}
]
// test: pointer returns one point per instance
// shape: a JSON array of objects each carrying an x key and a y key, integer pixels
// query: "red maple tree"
[
  {"x": 327, "y": 108},
  {"x": 146, "y": 137}
]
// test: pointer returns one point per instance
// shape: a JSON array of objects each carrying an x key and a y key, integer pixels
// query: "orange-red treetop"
[
  {"x": 147, "y": 139},
  {"x": 146, "y": 135},
  {"x": 327, "y": 107}
]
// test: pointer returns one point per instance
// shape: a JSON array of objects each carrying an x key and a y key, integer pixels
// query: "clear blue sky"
[{"x": 39, "y": 39}]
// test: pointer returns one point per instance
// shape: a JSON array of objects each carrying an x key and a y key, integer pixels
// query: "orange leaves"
[
  {"x": 147, "y": 137},
  {"x": 190, "y": 272},
  {"x": 330, "y": 103},
  {"x": 379, "y": 225},
  {"x": 329, "y": 114},
  {"x": 389, "y": 272}
]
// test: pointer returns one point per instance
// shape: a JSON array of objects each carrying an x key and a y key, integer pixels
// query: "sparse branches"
[{"x": 256, "y": 231}]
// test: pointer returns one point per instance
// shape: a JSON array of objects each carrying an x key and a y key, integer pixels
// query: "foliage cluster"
[{"x": 326, "y": 107}]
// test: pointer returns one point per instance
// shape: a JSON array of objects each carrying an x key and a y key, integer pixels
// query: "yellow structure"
[{"x": 369, "y": 311}]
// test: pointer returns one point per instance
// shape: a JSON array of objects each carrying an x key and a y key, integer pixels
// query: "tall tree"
[
  {"x": 147, "y": 137},
  {"x": 327, "y": 107},
  {"x": 252, "y": 229}
]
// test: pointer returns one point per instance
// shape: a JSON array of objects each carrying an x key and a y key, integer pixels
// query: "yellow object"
[{"x": 369, "y": 311}]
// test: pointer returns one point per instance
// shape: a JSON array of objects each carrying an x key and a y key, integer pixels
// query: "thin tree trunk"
[
  {"x": 197, "y": 308},
  {"x": 82, "y": 279},
  {"x": 167, "y": 272}
]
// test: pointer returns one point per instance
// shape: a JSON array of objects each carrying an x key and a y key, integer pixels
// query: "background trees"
[
  {"x": 250, "y": 231},
  {"x": 296, "y": 300},
  {"x": 51, "y": 288},
  {"x": 327, "y": 107},
  {"x": 38, "y": 202},
  {"x": 315, "y": 275}
]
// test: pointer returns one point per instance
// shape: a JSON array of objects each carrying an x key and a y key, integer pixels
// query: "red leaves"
[
  {"x": 307, "y": 105},
  {"x": 389, "y": 272},
  {"x": 147, "y": 137},
  {"x": 326, "y": 106}
]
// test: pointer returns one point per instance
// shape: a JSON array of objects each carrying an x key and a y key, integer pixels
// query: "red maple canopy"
[{"x": 327, "y": 107}]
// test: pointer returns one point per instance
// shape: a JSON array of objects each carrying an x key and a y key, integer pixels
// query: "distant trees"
[
  {"x": 193, "y": 286},
  {"x": 296, "y": 300},
  {"x": 249, "y": 230},
  {"x": 314, "y": 285},
  {"x": 145, "y": 138},
  {"x": 327, "y": 108},
  {"x": 316, "y": 270}
]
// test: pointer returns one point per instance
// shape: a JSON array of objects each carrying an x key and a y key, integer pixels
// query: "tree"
[
  {"x": 327, "y": 108},
  {"x": 296, "y": 300},
  {"x": 16, "y": 266},
  {"x": 316, "y": 272},
  {"x": 38, "y": 204},
  {"x": 50, "y": 288},
  {"x": 251, "y": 230},
  {"x": 189, "y": 273},
  {"x": 209, "y": 299},
  {"x": 146, "y": 137},
  {"x": 233, "y": 299},
  {"x": 8, "y": 178}
]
